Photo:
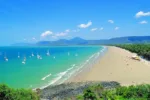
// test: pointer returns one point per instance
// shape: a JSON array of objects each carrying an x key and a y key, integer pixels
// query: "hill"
[{"x": 80, "y": 41}]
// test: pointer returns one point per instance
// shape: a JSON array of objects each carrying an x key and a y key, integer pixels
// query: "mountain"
[
  {"x": 74, "y": 41},
  {"x": 80, "y": 41},
  {"x": 122, "y": 40}
]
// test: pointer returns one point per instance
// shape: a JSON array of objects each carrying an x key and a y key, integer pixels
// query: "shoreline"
[
  {"x": 116, "y": 65},
  {"x": 73, "y": 71},
  {"x": 88, "y": 63},
  {"x": 88, "y": 66}
]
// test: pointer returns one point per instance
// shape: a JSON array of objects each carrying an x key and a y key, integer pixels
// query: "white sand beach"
[{"x": 116, "y": 65}]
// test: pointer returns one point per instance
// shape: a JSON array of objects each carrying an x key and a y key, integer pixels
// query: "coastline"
[
  {"x": 88, "y": 66},
  {"x": 75, "y": 69},
  {"x": 116, "y": 65}
]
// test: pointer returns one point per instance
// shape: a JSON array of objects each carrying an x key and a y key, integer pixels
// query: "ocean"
[{"x": 38, "y": 67}]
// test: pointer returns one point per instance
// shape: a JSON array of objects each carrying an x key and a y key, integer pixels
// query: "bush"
[
  {"x": 89, "y": 95},
  {"x": 7, "y": 93},
  {"x": 139, "y": 92}
]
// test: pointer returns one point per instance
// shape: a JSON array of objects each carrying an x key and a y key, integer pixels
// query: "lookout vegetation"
[
  {"x": 94, "y": 92},
  {"x": 98, "y": 92},
  {"x": 7, "y": 93}
]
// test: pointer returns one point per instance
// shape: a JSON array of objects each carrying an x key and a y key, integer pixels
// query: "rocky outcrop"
[{"x": 68, "y": 90}]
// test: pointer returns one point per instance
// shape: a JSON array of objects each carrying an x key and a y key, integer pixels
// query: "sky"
[{"x": 30, "y": 21}]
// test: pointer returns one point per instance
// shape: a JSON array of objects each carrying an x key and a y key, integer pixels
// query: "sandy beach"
[{"x": 116, "y": 65}]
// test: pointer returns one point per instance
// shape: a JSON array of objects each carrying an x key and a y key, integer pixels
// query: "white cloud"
[
  {"x": 143, "y": 22},
  {"x": 33, "y": 38},
  {"x": 85, "y": 25},
  {"x": 141, "y": 14},
  {"x": 61, "y": 34},
  {"x": 76, "y": 30},
  {"x": 67, "y": 31},
  {"x": 46, "y": 33},
  {"x": 111, "y": 21},
  {"x": 116, "y": 28},
  {"x": 93, "y": 29},
  {"x": 54, "y": 37},
  {"x": 101, "y": 28}
]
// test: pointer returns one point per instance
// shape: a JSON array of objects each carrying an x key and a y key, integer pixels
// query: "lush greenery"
[
  {"x": 139, "y": 92},
  {"x": 7, "y": 93},
  {"x": 141, "y": 49}
]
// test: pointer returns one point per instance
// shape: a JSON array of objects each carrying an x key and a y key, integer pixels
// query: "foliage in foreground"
[
  {"x": 139, "y": 92},
  {"x": 141, "y": 49},
  {"x": 7, "y": 93}
]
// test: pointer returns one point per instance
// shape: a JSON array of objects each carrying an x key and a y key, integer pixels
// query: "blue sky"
[{"x": 36, "y": 20}]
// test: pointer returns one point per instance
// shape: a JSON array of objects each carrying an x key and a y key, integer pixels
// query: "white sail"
[
  {"x": 38, "y": 56},
  {"x": 32, "y": 54},
  {"x": 48, "y": 54},
  {"x": 6, "y": 59},
  {"x": 18, "y": 55}
]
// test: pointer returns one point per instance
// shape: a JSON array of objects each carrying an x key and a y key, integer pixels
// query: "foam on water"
[
  {"x": 58, "y": 70},
  {"x": 74, "y": 69},
  {"x": 46, "y": 76}
]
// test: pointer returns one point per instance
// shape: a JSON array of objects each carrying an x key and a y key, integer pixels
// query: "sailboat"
[
  {"x": 24, "y": 60},
  {"x": 6, "y": 59},
  {"x": 38, "y": 56},
  {"x": 32, "y": 54},
  {"x": 18, "y": 55},
  {"x": 48, "y": 54}
]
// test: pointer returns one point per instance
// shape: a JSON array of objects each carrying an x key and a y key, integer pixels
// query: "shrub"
[
  {"x": 7, "y": 93},
  {"x": 89, "y": 95},
  {"x": 139, "y": 92}
]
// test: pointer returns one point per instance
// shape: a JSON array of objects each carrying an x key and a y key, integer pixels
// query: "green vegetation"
[
  {"x": 141, "y": 49},
  {"x": 7, "y": 93},
  {"x": 139, "y": 92}
]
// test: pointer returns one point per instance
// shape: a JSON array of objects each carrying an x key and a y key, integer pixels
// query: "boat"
[
  {"x": 38, "y": 56},
  {"x": 32, "y": 54},
  {"x": 18, "y": 55},
  {"x": 6, "y": 59},
  {"x": 48, "y": 54},
  {"x": 24, "y": 60}
]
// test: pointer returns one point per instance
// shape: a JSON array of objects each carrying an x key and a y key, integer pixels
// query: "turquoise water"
[{"x": 21, "y": 68}]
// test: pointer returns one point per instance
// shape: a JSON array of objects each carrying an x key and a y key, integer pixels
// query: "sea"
[{"x": 39, "y": 67}]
